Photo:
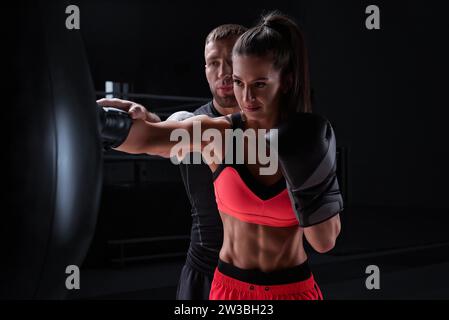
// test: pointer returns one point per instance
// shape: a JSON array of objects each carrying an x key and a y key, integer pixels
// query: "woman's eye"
[{"x": 260, "y": 84}]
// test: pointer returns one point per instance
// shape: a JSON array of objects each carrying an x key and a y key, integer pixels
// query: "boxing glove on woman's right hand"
[{"x": 114, "y": 125}]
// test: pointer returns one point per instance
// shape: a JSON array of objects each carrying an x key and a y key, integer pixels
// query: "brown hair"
[
  {"x": 225, "y": 31},
  {"x": 279, "y": 37}
]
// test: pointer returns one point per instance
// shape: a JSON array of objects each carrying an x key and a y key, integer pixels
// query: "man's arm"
[{"x": 138, "y": 135}]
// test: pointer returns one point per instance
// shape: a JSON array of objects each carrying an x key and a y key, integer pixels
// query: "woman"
[{"x": 262, "y": 256}]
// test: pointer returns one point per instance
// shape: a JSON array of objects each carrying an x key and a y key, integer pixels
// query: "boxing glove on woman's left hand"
[{"x": 307, "y": 157}]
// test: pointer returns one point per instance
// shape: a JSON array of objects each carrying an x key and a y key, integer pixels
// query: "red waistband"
[{"x": 283, "y": 289}]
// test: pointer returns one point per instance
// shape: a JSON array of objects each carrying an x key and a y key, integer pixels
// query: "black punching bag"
[{"x": 54, "y": 153}]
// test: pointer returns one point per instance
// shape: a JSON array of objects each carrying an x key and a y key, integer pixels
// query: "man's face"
[{"x": 218, "y": 55}]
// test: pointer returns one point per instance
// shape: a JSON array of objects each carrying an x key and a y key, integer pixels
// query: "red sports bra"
[{"x": 240, "y": 195}]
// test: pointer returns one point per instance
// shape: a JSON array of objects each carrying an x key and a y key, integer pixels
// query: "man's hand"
[{"x": 135, "y": 110}]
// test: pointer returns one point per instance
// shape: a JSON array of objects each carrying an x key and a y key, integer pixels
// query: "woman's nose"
[{"x": 248, "y": 95}]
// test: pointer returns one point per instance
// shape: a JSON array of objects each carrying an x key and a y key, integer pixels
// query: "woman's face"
[{"x": 257, "y": 86}]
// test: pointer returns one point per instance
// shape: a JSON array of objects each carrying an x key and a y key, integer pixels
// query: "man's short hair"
[{"x": 225, "y": 31}]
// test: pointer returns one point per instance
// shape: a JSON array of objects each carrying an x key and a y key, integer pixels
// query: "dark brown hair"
[
  {"x": 225, "y": 31},
  {"x": 278, "y": 37}
]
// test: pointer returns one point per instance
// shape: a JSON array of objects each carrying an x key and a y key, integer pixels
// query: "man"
[{"x": 207, "y": 231}]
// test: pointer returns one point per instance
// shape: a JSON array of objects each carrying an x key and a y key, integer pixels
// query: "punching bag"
[{"x": 54, "y": 155}]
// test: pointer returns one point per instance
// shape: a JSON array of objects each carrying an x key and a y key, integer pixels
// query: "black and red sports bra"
[{"x": 240, "y": 195}]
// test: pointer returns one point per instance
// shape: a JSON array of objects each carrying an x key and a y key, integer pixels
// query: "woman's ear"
[{"x": 287, "y": 82}]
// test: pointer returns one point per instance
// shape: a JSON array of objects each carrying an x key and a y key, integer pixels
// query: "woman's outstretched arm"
[{"x": 155, "y": 138}]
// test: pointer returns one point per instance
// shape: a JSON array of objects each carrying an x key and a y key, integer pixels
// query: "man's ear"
[{"x": 287, "y": 82}]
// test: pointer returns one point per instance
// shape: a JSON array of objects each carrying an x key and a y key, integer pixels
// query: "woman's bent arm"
[{"x": 322, "y": 236}]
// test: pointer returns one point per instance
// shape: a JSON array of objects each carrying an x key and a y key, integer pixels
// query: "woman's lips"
[{"x": 251, "y": 108}]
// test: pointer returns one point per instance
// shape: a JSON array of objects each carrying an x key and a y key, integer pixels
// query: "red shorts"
[{"x": 227, "y": 288}]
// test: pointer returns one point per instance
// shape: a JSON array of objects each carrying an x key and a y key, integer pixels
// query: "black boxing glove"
[
  {"x": 114, "y": 125},
  {"x": 307, "y": 158}
]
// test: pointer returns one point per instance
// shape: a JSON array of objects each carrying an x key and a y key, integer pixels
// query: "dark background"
[{"x": 385, "y": 91}]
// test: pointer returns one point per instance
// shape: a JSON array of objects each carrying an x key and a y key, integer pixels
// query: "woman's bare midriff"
[{"x": 252, "y": 246}]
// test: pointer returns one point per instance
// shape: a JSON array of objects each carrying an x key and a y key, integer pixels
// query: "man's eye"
[
  {"x": 214, "y": 64},
  {"x": 237, "y": 82},
  {"x": 260, "y": 84}
]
